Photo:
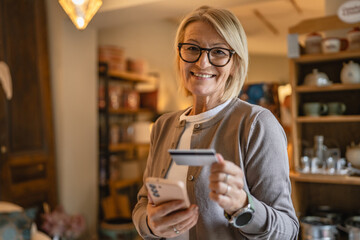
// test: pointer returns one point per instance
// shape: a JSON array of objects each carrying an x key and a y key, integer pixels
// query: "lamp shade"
[{"x": 80, "y": 11}]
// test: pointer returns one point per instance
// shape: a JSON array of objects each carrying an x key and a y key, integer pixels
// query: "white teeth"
[{"x": 203, "y": 75}]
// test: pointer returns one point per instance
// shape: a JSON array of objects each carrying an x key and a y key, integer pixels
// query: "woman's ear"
[{"x": 235, "y": 65}]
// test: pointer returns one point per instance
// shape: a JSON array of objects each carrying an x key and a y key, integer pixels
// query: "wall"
[
  {"x": 73, "y": 66},
  {"x": 268, "y": 68},
  {"x": 153, "y": 41},
  {"x": 332, "y": 6}
]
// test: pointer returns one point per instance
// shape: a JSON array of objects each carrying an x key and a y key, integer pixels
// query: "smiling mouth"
[{"x": 202, "y": 75}]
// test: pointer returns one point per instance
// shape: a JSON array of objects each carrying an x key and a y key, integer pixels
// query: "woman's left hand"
[{"x": 226, "y": 185}]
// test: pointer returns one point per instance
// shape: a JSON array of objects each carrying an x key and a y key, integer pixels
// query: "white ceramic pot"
[
  {"x": 353, "y": 155},
  {"x": 333, "y": 44},
  {"x": 350, "y": 73},
  {"x": 317, "y": 78}
]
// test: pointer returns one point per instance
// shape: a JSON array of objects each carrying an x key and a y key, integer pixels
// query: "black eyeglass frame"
[{"x": 208, "y": 53}]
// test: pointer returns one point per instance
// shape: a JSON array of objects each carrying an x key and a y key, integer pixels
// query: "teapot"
[
  {"x": 350, "y": 73},
  {"x": 316, "y": 78},
  {"x": 353, "y": 154}
]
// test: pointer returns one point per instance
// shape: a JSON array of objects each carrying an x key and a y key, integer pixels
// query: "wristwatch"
[{"x": 243, "y": 216}]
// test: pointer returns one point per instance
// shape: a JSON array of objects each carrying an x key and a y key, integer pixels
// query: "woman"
[{"x": 246, "y": 195}]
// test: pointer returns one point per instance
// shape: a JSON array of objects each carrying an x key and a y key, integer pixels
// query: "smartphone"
[
  {"x": 164, "y": 190},
  {"x": 193, "y": 157}
]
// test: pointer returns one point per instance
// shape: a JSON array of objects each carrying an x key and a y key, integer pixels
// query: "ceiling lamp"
[{"x": 80, "y": 11}]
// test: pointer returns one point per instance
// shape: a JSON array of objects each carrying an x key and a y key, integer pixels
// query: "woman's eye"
[
  {"x": 192, "y": 48},
  {"x": 218, "y": 52}
]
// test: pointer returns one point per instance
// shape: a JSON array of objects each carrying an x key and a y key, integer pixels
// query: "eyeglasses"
[{"x": 217, "y": 56}]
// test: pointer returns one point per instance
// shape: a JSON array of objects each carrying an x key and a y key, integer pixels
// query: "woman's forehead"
[{"x": 203, "y": 32}]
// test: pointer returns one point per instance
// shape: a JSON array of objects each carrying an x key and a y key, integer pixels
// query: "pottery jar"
[
  {"x": 353, "y": 37},
  {"x": 313, "y": 43}
]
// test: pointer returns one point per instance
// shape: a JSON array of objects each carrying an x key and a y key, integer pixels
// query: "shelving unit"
[
  {"x": 128, "y": 111},
  {"x": 321, "y": 178},
  {"x": 310, "y": 190},
  {"x": 328, "y": 119},
  {"x": 331, "y": 88},
  {"x": 116, "y": 202},
  {"x": 126, "y": 146}
]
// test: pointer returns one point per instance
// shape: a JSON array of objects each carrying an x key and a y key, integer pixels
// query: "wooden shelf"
[
  {"x": 126, "y": 146},
  {"x": 126, "y": 111},
  {"x": 129, "y": 111},
  {"x": 320, "y": 24},
  {"x": 327, "y": 57},
  {"x": 123, "y": 75},
  {"x": 322, "y": 119},
  {"x": 322, "y": 178},
  {"x": 129, "y": 77},
  {"x": 124, "y": 182},
  {"x": 330, "y": 88}
]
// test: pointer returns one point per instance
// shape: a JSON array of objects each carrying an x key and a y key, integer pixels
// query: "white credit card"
[{"x": 193, "y": 157}]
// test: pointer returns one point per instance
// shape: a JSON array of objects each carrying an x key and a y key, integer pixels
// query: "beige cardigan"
[{"x": 251, "y": 137}]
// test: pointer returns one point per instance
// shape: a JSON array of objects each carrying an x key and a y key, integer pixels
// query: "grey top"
[{"x": 252, "y": 138}]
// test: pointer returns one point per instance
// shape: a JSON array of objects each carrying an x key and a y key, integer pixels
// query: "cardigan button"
[
  {"x": 197, "y": 126},
  {"x": 191, "y": 177}
]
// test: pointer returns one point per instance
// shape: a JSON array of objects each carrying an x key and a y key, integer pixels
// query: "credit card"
[{"x": 193, "y": 157}]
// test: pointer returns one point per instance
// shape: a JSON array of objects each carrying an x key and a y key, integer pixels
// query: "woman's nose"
[{"x": 203, "y": 61}]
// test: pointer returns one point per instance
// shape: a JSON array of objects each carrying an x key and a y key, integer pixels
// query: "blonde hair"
[{"x": 230, "y": 28}]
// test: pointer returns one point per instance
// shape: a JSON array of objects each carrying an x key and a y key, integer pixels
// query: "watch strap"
[
  {"x": 250, "y": 201},
  {"x": 227, "y": 216},
  {"x": 246, "y": 210}
]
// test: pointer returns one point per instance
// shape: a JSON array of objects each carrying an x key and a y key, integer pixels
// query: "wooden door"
[{"x": 27, "y": 161}]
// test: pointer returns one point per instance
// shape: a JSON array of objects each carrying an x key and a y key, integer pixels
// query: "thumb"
[{"x": 220, "y": 158}]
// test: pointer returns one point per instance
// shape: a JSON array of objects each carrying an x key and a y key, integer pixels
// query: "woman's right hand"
[{"x": 170, "y": 219}]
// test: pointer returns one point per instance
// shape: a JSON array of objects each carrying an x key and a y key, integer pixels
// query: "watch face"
[{"x": 244, "y": 218}]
